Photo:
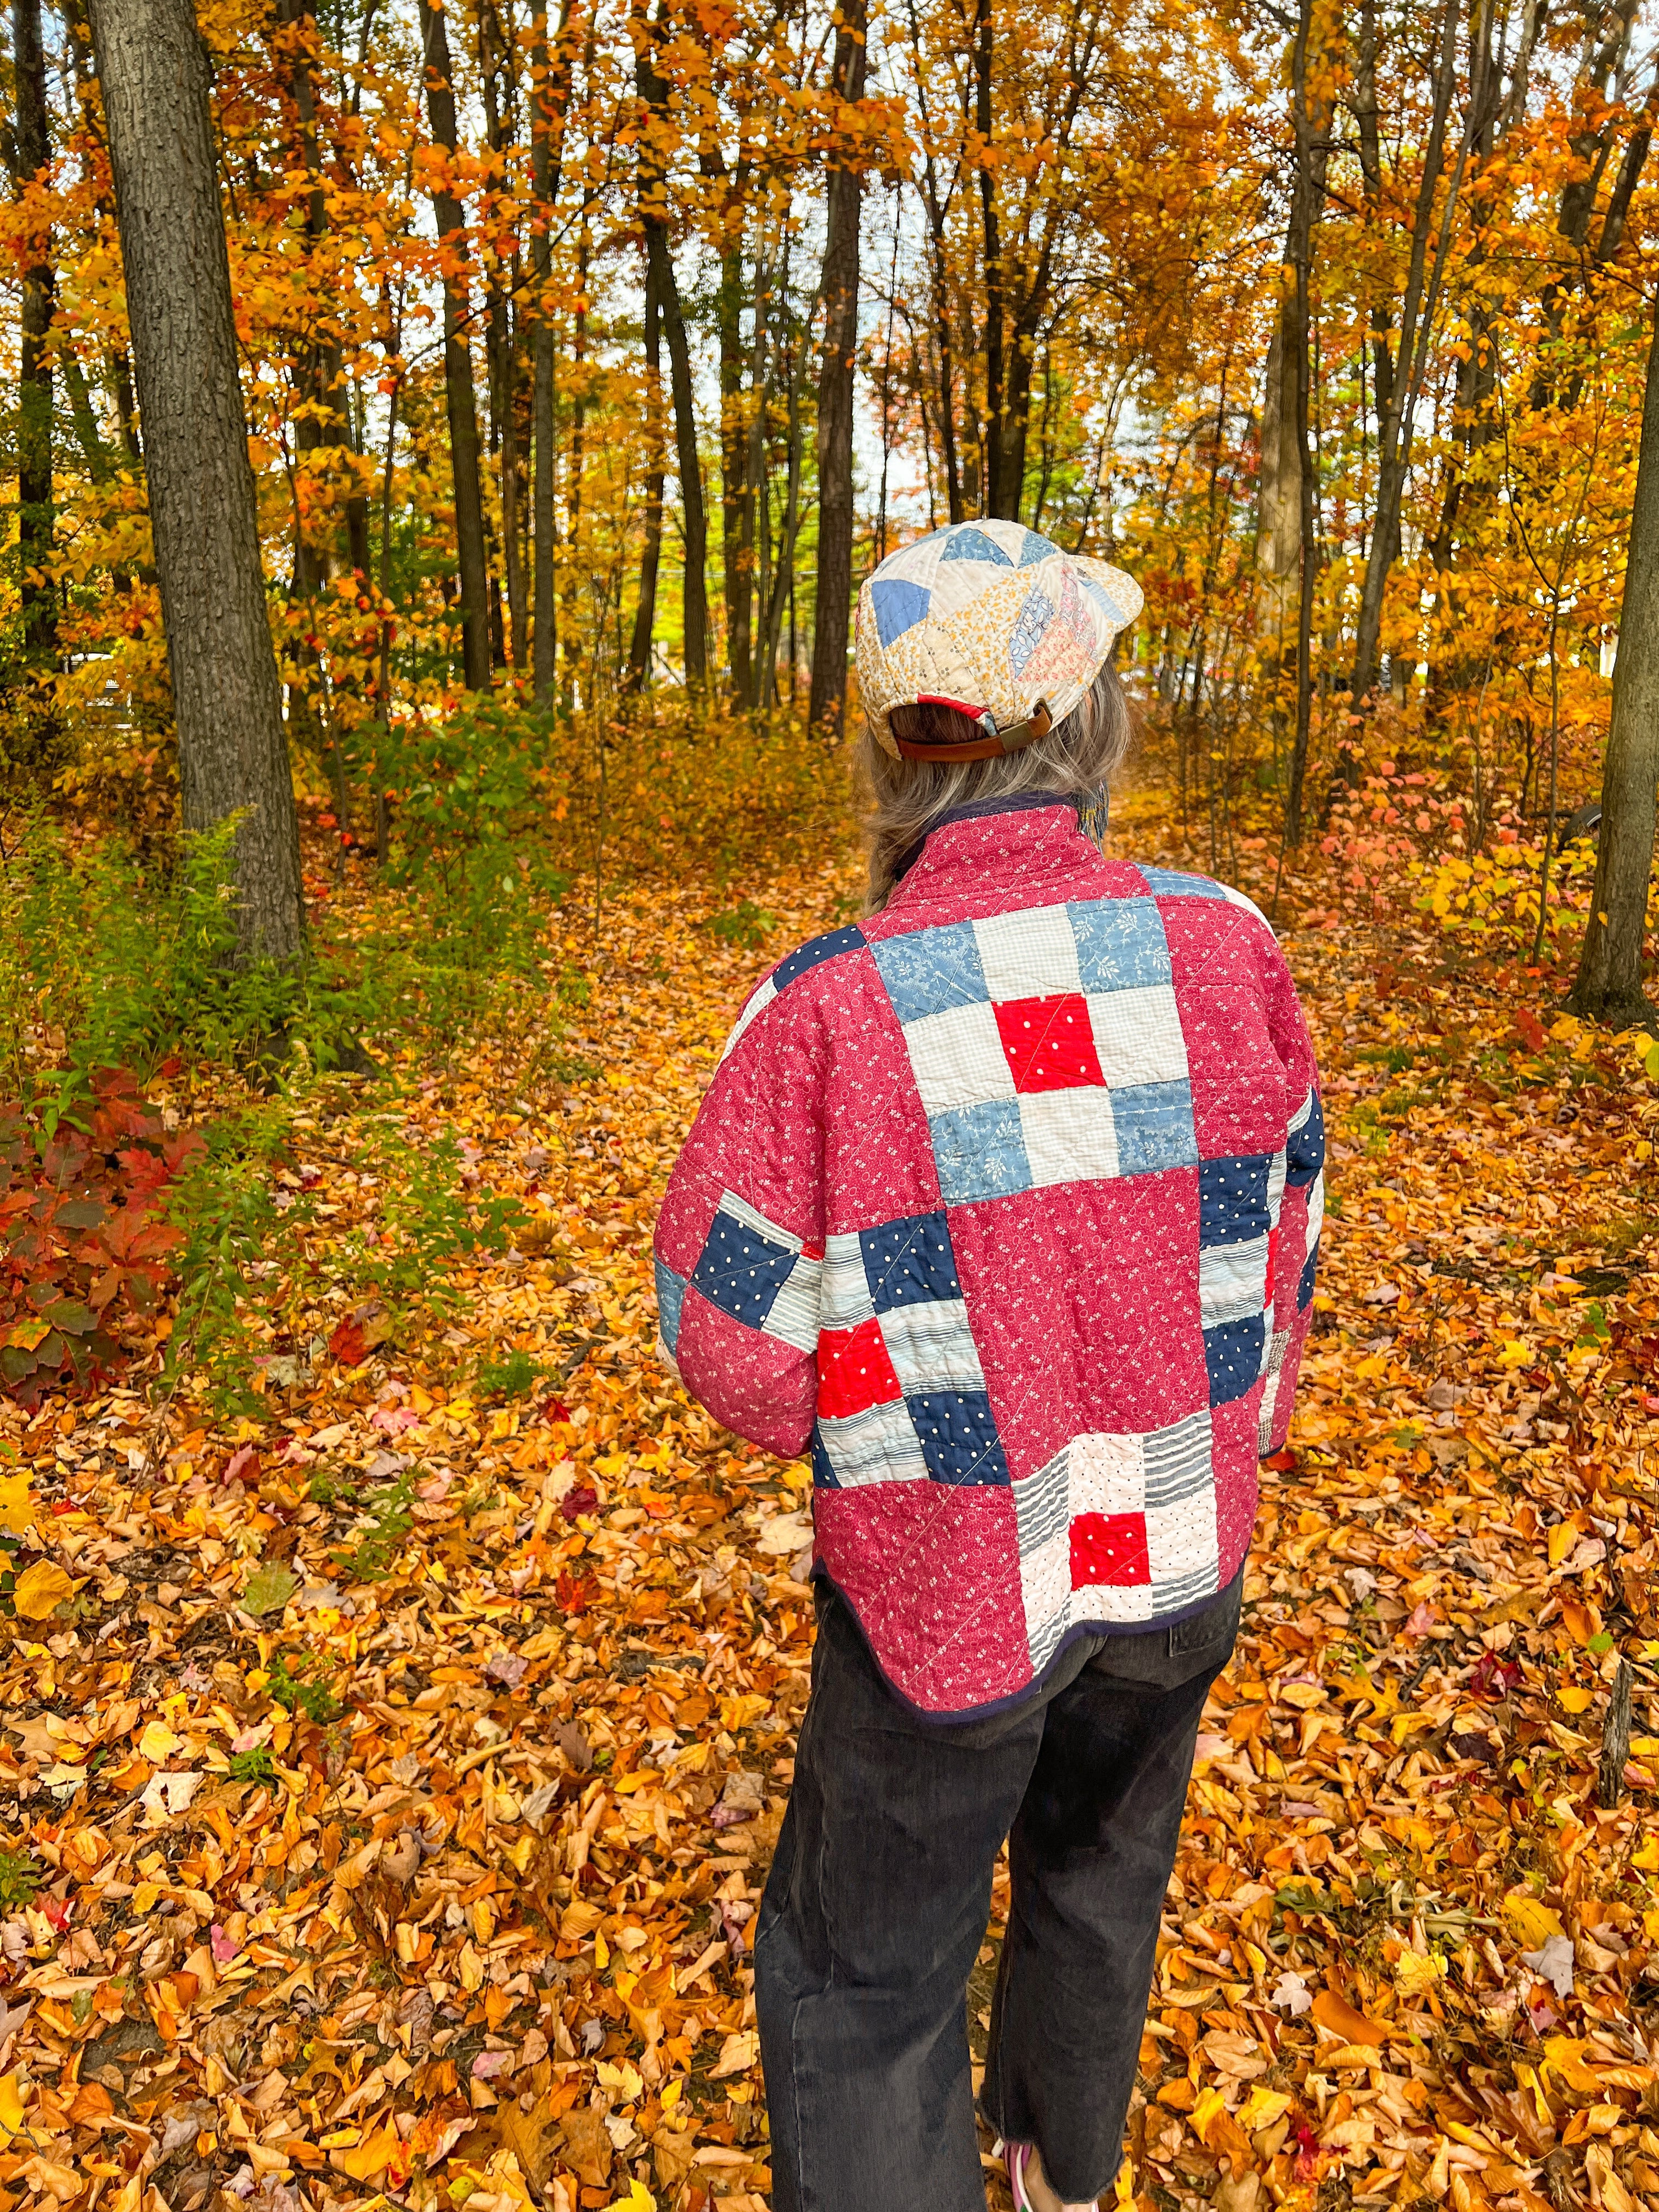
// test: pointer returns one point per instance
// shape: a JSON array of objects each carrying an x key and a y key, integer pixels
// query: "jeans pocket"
[{"x": 1214, "y": 1629}]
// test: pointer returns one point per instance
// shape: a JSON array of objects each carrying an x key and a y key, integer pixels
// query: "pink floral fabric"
[{"x": 1006, "y": 1204}]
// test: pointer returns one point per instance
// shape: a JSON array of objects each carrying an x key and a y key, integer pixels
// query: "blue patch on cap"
[
  {"x": 969, "y": 543},
  {"x": 1035, "y": 618},
  {"x": 1036, "y": 548},
  {"x": 898, "y": 606}
]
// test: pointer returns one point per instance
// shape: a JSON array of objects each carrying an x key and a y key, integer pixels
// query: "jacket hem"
[{"x": 1039, "y": 1683}]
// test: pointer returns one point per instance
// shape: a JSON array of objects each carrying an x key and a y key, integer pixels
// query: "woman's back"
[{"x": 1005, "y": 1203}]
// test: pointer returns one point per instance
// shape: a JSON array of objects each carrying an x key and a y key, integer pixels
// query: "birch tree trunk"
[{"x": 233, "y": 749}]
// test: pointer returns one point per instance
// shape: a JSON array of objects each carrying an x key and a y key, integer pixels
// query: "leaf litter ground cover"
[{"x": 396, "y": 1763}]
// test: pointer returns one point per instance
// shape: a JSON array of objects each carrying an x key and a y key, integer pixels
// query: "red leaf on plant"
[
  {"x": 555, "y": 1409},
  {"x": 244, "y": 1467},
  {"x": 1282, "y": 1462},
  {"x": 585, "y": 1500}
]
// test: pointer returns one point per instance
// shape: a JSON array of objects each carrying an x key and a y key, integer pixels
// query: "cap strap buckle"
[{"x": 1036, "y": 725}]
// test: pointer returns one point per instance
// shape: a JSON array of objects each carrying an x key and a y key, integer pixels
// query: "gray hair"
[{"x": 906, "y": 798}]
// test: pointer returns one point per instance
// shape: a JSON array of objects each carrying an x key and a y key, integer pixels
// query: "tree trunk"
[
  {"x": 1405, "y": 382},
  {"x": 232, "y": 752},
  {"x": 1278, "y": 501},
  {"x": 1609, "y": 986},
  {"x": 501, "y": 347},
  {"x": 998, "y": 493},
  {"x": 552, "y": 82},
  {"x": 575, "y": 484},
  {"x": 1296, "y": 321},
  {"x": 659, "y": 271},
  {"x": 459, "y": 396},
  {"x": 645, "y": 614},
  {"x": 736, "y": 501},
  {"x": 34, "y": 502},
  {"x": 840, "y": 285},
  {"x": 693, "y": 513}
]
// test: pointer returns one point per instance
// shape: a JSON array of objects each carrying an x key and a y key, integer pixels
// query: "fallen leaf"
[
  {"x": 39, "y": 1591},
  {"x": 270, "y": 1590},
  {"x": 1553, "y": 1962},
  {"x": 1336, "y": 2013}
]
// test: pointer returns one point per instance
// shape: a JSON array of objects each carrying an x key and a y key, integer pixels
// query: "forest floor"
[{"x": 397, "y": 1771}]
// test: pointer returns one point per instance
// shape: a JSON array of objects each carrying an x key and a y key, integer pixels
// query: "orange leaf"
[{"x": 1336, "y": 2013}]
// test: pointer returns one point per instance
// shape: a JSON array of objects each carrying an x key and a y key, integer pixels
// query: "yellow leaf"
[
  {"x": 1263, "y": 2108},
  {"x": 16, "y": 1510},
  {"x": 1414, "y": 1976},
  {"x": 1515, "y": 1353},
  {"x": 1575, "y": 1701},
  {"x": 638, "y": 2199},
  {"x": 158, "y": 1742},
  {"x": 1563, "y": 1537},
  {"x": 39, "y": 1591},
  {"x": 1646, "y": 1859},
  {"x": 1209, "y": 2107},
  {"x": 372, "y": 2156},
  {"x": 1531, "y": 1924},
  {"x": 11, "y": 2104},
  {"x": 737, "y": 2054},
  {"x": 737, "y": 1711}
]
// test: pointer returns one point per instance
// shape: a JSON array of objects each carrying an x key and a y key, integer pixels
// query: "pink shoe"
[{"x": 1017, "y": 2157}]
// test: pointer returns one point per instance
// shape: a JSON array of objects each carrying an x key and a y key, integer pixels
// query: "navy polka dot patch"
[
  {"x": 957, "y": 1432},
  {"x": 742, "y": 1271},
  {"x": 909, "y": 1260}
]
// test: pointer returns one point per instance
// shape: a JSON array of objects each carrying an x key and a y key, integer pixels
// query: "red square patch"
[
  {"x": 855, "y": 1371},
  {"x": 1049, "y": 1042},
  {"x": 1109, "y": 1548}
]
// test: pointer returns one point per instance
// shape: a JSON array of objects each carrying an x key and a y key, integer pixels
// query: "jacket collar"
[{"x": 1045, "y": 828}]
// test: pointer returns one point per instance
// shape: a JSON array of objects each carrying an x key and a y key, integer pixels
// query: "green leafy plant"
[
  {"x": 20, "y": 1877},
  {"x": 223, "y": 1211},
  {"x": 746, "y": 925},
  {"x": 468, "y": 805},
  {"x": 127, "y": 961},
  {"x": 511, "y": 1378},
  {"x": 298, "y": 1692},
  {"x": 370, "y": 1559},
  {"x": 255, "y": 1765},
  {"x": 429, "y": 1220}
]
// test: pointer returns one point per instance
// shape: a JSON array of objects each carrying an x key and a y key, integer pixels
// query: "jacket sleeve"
[
  {"x": 739, "y": 1243},
  {"x": 1297, "y": 1186}
]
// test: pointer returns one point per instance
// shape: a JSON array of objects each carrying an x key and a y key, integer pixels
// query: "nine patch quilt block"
[{"x": 1005, "y": 1205}]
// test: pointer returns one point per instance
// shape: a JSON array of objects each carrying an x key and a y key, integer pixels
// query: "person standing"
[{"x": 1004, "y": 1204}]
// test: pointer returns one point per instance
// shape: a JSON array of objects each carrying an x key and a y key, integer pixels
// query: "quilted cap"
[{"x": 990, "y": 617}]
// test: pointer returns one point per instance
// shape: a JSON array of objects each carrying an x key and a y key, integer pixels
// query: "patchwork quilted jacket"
[{"x": 1005, "y": 1203}]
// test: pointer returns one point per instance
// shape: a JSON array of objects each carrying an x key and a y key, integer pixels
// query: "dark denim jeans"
[{"x": 878, "y": 1898}]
